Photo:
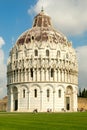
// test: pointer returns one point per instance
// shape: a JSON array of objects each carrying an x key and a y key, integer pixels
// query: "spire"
[{"x": 42, "y": 20}]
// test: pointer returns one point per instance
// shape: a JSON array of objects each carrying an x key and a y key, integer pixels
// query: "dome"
[
  {"x": 42, "y": 31},
  {"x": 42, "y": 70}
]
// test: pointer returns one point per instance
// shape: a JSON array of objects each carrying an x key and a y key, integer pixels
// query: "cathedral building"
[{"x": 42, "y": 70}]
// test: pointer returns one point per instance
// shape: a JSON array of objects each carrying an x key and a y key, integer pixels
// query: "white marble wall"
[{"x": 42, "y": 103}]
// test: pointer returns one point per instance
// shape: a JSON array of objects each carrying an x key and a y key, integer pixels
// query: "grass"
[{"x": 43, "y": 121}]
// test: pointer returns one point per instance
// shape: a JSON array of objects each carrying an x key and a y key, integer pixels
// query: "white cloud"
[
  {"x": 82, "y": 61},
  {"x": 69, "y": 16},
  {"x": 2, "y": 70},
  {"x": 1, "y": 42}
]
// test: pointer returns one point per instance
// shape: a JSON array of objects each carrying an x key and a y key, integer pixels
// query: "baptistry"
[{"x": 42, "y": 70}]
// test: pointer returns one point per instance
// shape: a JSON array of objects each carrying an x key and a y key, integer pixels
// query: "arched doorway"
[
  {"x": 69, "y": 98},
  {"x": 15, "y": 98},
  {"x": 68, "y": 103}
]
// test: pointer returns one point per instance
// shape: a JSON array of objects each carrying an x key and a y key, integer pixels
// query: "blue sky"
[
  {"x": 14, "y": 19},
  {"x": 68, "y": 16}
]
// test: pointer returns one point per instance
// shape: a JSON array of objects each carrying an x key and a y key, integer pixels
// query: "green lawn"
[{"x": 43, "y": 121}]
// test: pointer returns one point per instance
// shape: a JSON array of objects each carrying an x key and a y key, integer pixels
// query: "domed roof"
[{"x": 42, "y": 30}]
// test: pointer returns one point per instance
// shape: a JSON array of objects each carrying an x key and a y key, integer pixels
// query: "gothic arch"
[
  {"x": 61, "y": 86},
  {"x": 36, "y": 85},
  {"x": 24, "y": 86},
  {"x": 69, "y": 98},
  {"x": 23, "y": 91},
  {"x": 69, "y": 89},
  {"x": 50, "y": 85},
  {"x": 15, "y": 98},
  {"x": 33, "y": 87}
]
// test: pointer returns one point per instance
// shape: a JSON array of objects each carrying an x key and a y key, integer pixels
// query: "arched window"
[
  {"x": 59, "y": 93},
  {"x": 48, "y": 93},
  {"x": 23, "y": 93},
  {"x": 52, "y": 72},
  {"x": 58, "y": 53},
  {"x": 36, "y": 53},
  {"x": 47, "y": 52},
  {"x": 31, "y": 72},
  {"x": 35, "y": 93},
  {"x": 32, "y": 37}
]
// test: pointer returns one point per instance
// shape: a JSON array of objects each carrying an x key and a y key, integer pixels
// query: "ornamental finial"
[{"x": 42, "y": 9}]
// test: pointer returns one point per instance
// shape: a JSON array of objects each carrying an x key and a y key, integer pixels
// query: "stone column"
[
  {"x": 41, "y": 101},
  {"x": 53, "y": 100},
  {"x": 18, "y": 76},
  {"x": 62, "y": 75},
  {"x": 18, "y": 100},
  {"x": 41, "y": 74},
  {"x": 13, "y": 77},
  {"x": 49, "y": 74},
  {"x": 38, "y": 74},
  {"x": 34, "y": 75},
  {"x": 29, "y": 75},
  {"x": 12, "y": 101},
  {"x": 57, "y": 75},
  {"x": 65, "y": 76},
  {"x": 64, "y": 100},
  {"x": 47, "y": 77},
  {"x": 21, "y": 75},
  {"x": 71, "y": 78},
  {"x": 45, "y": 74},
  {"x": 10, "y": 77},
  {"x": 25, "y": 73},
  {"x": 28, "y": 100}
]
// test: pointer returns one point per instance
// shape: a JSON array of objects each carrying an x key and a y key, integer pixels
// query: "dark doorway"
[
  {"x": 67, "y": 103},
  {"x": 68, "y": 107},
  {"x": 16, "y": 105}
]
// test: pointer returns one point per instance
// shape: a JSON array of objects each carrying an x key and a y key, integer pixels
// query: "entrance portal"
[
  {"x": 16, "y": 105},
  {"x": 67, "y": 103},
  {"x": 15, "y": 98}
]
